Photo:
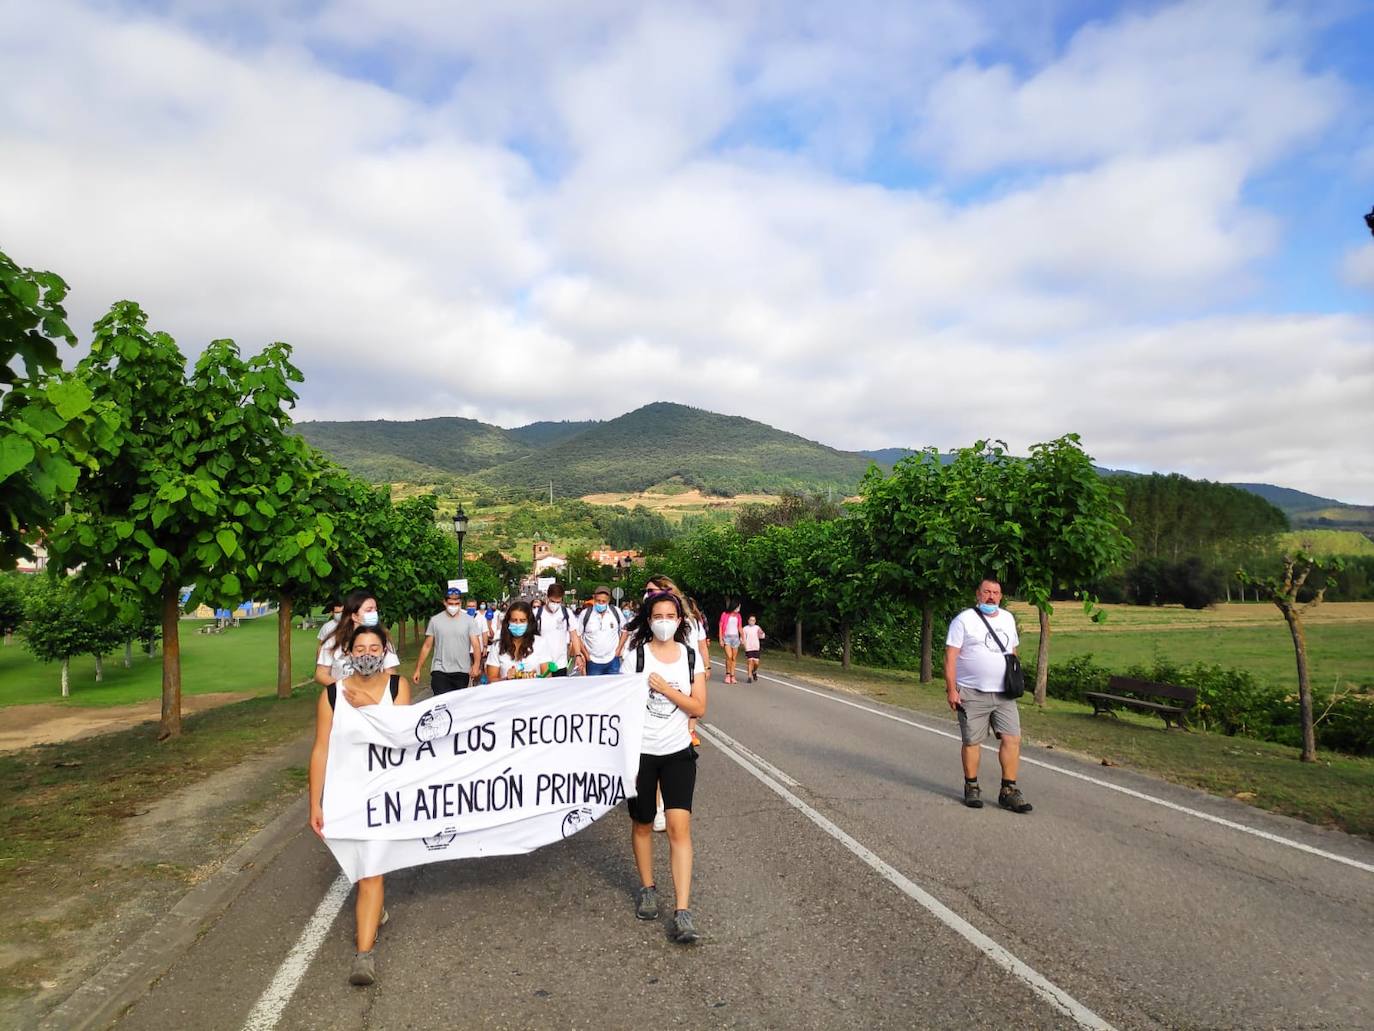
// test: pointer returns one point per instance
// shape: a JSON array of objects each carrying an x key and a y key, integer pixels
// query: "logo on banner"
[
  {"x": 442, "y": 840},
  {"x": 575, "y": 821},
  {"x": 434, "y": 724}
]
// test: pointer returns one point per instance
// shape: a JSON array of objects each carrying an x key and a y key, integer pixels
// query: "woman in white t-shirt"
[
  {"x": 518, "y": 653},
  {"x": 334, "y": 663},
  {"x": 667, "y": 761}
]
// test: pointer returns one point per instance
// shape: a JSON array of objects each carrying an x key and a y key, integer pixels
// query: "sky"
[{"x": 873, "y": 224}]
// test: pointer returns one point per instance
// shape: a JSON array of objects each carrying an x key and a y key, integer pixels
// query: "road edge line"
[{"x": 277, "y": 996}]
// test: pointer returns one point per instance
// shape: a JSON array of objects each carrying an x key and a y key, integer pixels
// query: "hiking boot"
[
  {"x": 646, "y": 903},
  {"x": 364, "y": 970},
  {"x": 1011, "y": 798},
  {"x": 683, "y": 930},
  {"x": 973, "y": 796}
]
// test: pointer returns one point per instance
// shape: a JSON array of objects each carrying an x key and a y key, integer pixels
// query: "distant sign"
[
  {"x": 618, "y": 593},
  {"x": 545, "y": 582},
  {"x": 460, "y": 585}
]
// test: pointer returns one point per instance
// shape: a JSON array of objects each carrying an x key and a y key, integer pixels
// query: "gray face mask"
[{"x": 368, "y": 665}]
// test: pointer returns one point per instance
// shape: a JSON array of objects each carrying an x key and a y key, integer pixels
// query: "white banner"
[{"x": 499, "y": 769}]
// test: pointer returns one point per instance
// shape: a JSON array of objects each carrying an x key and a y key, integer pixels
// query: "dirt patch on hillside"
[{"x": 43, "y": 724}]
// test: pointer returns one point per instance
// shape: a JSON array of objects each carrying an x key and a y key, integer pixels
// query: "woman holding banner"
[
  {"x": 368, "y": 683},
  {"x": 667, "y": 761},
  {"x": 518, "y": 654}
]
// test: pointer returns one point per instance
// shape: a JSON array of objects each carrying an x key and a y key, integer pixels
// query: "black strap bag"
[{"x": 1013, "y": 680}]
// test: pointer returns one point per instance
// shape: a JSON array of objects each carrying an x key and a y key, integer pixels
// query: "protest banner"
[{"x": 499, "y": 769}]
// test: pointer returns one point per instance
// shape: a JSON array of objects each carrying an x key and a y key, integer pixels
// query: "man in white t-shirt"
[
  {"x": 558, "y": 627},
  {"x": 975, "y": 667},
  {"x": 603, "y": 635}
]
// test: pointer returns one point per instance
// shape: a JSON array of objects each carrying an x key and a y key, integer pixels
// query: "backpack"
[
  {"x": 539, "y": 622},
  {"x": 587, "y": 616},
  {"x": 691, "y": 661}
]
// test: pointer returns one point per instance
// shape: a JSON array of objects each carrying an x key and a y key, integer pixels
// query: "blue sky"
[{"x": 874, "y": 223}]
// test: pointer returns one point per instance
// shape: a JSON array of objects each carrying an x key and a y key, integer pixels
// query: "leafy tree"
[
  {"x": 1284, "y": 591},
  {"x": 58, "y": 627},
  {"x": 1071, "y": 532},
  {"x": 844, "y": 578},
  {"x": 710, "y": 565},
  {"x": 178, "y": 495},
  {"x": 49, "y": 427},
  {"x": 11, "y": 605}
]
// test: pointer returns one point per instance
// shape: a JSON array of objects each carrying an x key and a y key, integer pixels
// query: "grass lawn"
[
  {"x": 1336, "y": 791},
  {"x": 240, "y": 659},
  {"x": 1250, "y": 636}
]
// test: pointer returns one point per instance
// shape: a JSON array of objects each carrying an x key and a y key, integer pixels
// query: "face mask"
[
  {"x": 518, "y": 629},
  {"x": 370, "y": 618},
  {"x": 452, "y": 610},
  {"x": 664, "y": 629},
  {"x": 472, "y": 612},
  {"x": 552, "y": 606},
  {"x": 600, "y": 607},
  {"x": 367, "y": 665},
  {"x": 987, "y": 609},
  {"x": 490, "y": 611}
]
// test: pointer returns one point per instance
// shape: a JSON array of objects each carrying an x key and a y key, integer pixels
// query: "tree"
[
  {"x": 1284, "y": 591},
  {"x": 11, "y": 605},
  {"x": 844, "y": 579},
  {"x": 49, "y": 427},
  {"x": 179, "y": 491},
  {"x": 58, "y": 628},
  {"x": 1071, "y": 533}
]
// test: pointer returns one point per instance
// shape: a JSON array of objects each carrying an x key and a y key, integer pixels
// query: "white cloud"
[
  {"x": 538, "y": 218},
  {"x": 1357, "y": 267}
]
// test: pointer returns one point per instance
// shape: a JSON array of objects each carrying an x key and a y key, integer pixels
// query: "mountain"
[
  {"x": 420, "y": 451},
  {"x": 664, "y": 442},
  {"x": 542, "y": 434},
  {"x": 1291, "y": 501}
]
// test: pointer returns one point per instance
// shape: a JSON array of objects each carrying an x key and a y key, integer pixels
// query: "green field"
[
  {"x": 1253, "y": 637},
  {"x": 241, "y": 659}
]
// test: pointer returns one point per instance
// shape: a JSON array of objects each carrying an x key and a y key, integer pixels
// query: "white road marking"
[
  {"x": 1035, "y": 981},
  {"x": 1165, "y": 803},
  {"x": 274, "y": 1000}
]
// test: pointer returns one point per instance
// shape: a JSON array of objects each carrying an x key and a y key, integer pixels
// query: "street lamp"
[
  {"x": 460, "y": 527},
  {"x": 1369, "y": 220}
]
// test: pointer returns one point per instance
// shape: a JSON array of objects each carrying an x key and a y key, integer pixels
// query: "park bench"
[{"x": 1137, "y": 694}]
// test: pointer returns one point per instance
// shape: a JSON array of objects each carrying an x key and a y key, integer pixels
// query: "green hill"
[
  {"x": 542, "y": 434},
  {"x": 420, "y": 451},
  {"x": 665, "y": 442}
]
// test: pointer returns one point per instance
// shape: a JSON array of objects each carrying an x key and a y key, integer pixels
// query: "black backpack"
[
  {"x": 539, "y": 622},
  {"x": 587, "y": 616},
  {"x": 691, "y": 661}
]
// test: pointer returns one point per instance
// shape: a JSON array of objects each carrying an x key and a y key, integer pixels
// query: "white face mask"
[
  {"x": 452, "y": 610},
  {"x": 552, "y": 606},
  {"x": 664, "y": 629}
]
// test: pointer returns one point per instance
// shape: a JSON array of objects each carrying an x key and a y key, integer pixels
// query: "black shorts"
[
  {"x": 675, "y": 775},
  {"x": 442, "y": 683},
  {"x": 753, "y": 654}
]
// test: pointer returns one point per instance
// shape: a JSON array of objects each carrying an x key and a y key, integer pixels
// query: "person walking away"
[
  {"x": 975, "y": 669},
  {"x": 368, "y": 683},
  {"x": 752, "y": 636},
  {"x": 519, "y": 654},
  {"x": 555, "y": 624},
  {"x": 603, "y": 635},
  {"x": 456, "y": 640},
  {"x": 667, "y": 761},
  {"x": 334, "y": 661},
  {"x": 728, "y": 633}
]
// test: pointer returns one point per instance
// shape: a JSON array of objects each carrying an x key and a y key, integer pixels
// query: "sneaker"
[
  {"x": 382, "y": 922},
  {"x": 364, "y": 970},
  {"x": 646, "y": 903},
  {"x": 683, "y": 930},
  {"x": 973, "y": 796},
  {"x": 660, "y": 821},
  {"x": 1011, "y": 798}
]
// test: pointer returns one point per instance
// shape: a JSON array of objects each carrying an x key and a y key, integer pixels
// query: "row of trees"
[
  {"x": 148, "y": 476},
  {"x": 921, "y": 538}
]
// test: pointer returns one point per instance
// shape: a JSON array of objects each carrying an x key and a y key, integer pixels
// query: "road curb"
[{"x": 105, "y": 996}]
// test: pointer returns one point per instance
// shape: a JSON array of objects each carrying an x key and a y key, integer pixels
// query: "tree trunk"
[
  {"x": 99, "y": 667},
  {"x": 1042, "y": 659},
  {"x": 1228, "y": 592},
  {"x": 927, "y": 643},
  {"x": 845, "y": 636},
  {"x": 170, "y": 725},
  {"x": 400, "y": 637},
  {"x": 798, "y": 643},
  {"x": 66, "y": 678},
  {"x": 128, "y": 654},
  {"x": 284, "y": 647},
  {"x": 1309, "y": 730}
]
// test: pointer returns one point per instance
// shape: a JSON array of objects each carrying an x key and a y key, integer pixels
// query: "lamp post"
[
  {"x": 460, "y": 527},
  {"x": 1369, "y": 220}
]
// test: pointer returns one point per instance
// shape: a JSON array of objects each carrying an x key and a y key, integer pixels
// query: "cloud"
[
  {"x": 1357, "y": 267},
  {"x": 519, "y": 213}
]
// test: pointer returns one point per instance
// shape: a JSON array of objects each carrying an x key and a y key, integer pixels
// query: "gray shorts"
[{"x": 979, "y": 710}]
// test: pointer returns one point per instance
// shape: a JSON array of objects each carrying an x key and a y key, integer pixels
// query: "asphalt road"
[{"x": 840, "y": 883}]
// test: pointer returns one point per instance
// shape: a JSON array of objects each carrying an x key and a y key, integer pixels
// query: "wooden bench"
[{"x": 1136, "y": 694}]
